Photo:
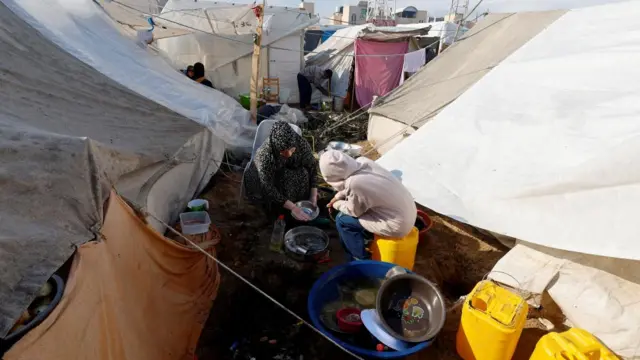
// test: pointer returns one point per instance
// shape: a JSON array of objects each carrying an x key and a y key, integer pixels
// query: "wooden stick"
[{"x": 255, "y": 65}]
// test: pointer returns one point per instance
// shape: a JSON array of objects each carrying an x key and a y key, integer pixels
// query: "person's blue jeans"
[{"x": 352, "y": 236}]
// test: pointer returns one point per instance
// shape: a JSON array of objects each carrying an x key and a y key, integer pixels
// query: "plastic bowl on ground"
[
  {"x": 349, "y": 320},
  {"x": 307, "y": 206},
  {"x": 326, "y": 290},
  {"x": 198, "y": 205},
  {"x": 193, "y": 223},
  {"x": 410, "y": 308}
]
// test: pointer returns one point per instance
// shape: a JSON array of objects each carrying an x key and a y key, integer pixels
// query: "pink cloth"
[{"x": 377, "y": 75}]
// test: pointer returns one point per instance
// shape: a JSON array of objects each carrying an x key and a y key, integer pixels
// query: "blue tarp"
[{"x": 327, "y": 34}]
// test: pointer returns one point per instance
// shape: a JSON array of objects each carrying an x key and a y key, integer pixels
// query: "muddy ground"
[{"x": 455, "y": 257}]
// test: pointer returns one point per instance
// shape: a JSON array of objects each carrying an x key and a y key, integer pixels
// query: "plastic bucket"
[
  {"x": 398, "y": 251},
  {"x": 198, "y": 205},
  {"x": 424, "y": 224},
  {"x": 325, "y": 290}
]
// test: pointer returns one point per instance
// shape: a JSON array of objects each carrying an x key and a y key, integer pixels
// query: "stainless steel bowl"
[
  {"x": 339, "y": 146},
  {"x": 310, "y": 209},
  {"x": 423, "y": 301},
  {"x": 306, "y": 243}
]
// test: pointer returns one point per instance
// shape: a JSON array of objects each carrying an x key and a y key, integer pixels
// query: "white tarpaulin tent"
[
  {"x": 83, "y": 29},
  {"x": 451, "y": 73},
  {"x": 445, "y": 30},
  {"x": 223, "y": 42},
  {"x": 133, "y": 16},
  {"x": 337, "y": 54},
  {"x": 68, "y": 135},
  {"x": 542, "y": 149}
]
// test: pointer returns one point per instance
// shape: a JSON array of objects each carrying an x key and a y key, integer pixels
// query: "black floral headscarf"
[{"x": 282, "y": 137}]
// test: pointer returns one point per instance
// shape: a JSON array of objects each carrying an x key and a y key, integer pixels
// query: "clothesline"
[{"x": 251, "y": 43}]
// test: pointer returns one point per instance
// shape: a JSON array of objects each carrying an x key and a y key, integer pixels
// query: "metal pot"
[{"x": 306, "y": 243}]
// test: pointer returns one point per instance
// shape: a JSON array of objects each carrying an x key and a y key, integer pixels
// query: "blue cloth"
[
  {"x": 352, "y": 236},
  {"x": 327, "y": 34}
]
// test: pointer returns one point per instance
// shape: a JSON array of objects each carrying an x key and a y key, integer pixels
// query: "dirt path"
[{"x": 455, "y": 257}]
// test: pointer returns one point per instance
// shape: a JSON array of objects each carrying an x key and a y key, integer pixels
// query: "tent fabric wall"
[
  {"x": 132, "y": 295},
  {"x": 376, "y": 75},
  {"x": 543, "y": 147},
  {"x": 337, "y": 54},
  {"x": 312, "y": 39},
  {"x": 595, "y": 293},
  {"x": 446, "y": 31},
  {"x": 68, "y": 134},
  {"x": 224, "y": 40},
  {"x": 286, "y": 64},
  {"x": 327, "y": 34},
  {"x": 84, "y": 30},
  {"x": 460, "y": 66}
]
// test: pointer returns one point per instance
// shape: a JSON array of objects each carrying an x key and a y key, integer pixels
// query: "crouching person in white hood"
[{"x": 369, "y": 199}]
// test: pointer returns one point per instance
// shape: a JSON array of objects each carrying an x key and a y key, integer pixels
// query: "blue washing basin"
[{"x": 325, "y": 290}]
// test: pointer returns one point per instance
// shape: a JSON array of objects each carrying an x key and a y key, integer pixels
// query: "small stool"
[{"x": 400, "y": 251}]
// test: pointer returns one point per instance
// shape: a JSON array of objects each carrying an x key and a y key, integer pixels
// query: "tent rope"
[{"x": 220, "y": 263}]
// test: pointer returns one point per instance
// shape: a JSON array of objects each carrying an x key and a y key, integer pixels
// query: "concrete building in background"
[
  {"x": 454, "y": 17},
  {"x": 350, "y": 14},
  {"x": 410, "y": 15},
  {"x": 309, "y": 7},
  {"x": 357, "y": 15}
]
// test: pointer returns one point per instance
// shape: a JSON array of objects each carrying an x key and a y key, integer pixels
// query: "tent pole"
[{"x": 255, "y": 63}]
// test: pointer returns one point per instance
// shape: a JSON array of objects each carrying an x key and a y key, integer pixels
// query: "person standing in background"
[{"x": 312, "y": 75}]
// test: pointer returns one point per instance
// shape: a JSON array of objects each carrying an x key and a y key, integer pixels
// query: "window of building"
[{"x": 353, "y": 19}]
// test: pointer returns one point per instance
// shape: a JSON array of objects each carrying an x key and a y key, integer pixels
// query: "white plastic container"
[
  {"x": 197, "y": 203},
  {"x": 338, "y": 103},
  {"x": 194, "y": 223}
]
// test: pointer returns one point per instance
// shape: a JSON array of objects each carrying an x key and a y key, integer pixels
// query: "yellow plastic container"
[
  {"x": 574, "y": 344},
  {"x": 491, "y": 323},
  {"x": 400, "y": 251}
]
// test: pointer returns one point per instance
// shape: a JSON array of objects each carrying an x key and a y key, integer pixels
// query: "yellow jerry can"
[
  {"x": 573, "y": 344},
  {"x": 491, "y": 323}
]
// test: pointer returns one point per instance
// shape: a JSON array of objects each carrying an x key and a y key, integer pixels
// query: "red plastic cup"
[{"x": 349, "y": 320}]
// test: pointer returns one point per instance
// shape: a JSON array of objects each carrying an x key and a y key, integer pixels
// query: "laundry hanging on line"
[{"x": 413, "y": 61}]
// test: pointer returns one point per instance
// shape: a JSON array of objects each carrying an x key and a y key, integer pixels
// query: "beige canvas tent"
[
  {"x": 450, "y": 74},
  {"x": 69, "y": 135}
]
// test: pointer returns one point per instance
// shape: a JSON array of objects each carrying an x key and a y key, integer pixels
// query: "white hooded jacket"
[{"x": 370, "y": 193}]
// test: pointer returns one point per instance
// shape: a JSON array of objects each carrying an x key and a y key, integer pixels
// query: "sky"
[{"x": 440, "y": 7}]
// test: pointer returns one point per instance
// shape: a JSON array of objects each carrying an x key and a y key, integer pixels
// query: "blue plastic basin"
[{"x": 325, "y": 290}]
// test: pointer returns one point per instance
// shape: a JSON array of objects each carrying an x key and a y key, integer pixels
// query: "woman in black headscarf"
[
  {"x": 283, "y": 172},
  {"x": 198, "y": 75}
]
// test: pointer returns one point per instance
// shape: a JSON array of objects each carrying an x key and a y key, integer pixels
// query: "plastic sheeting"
[
  {"x": 337, "y": 54},
  {"x": 543, "y": 148},
  {"x": 133, "y": 15},
  {"x": 598, "y": 294},
  {"x": 223, "y": 41},
  {"x": 132, "y": 295},
  {"x": 84, "y": 30},
  {"x": 446, "y": 31},
  {"x": 376, "y": 74},
  {"x": 62, "y": 148},
  {"x": 460, "y": 66}
]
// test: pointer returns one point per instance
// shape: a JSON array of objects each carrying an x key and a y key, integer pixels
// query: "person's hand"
[
  {"x": 330, "y": 204},
  {"x": 299, "y": 214},
  {"x": 314, "y": 197}
]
